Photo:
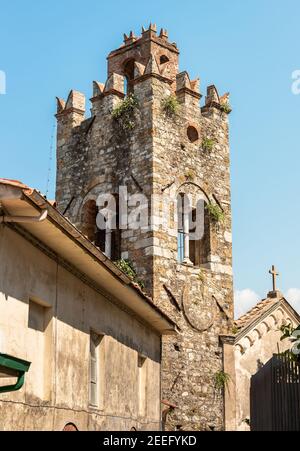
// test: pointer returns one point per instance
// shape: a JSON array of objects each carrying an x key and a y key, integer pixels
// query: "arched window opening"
[
  {"x": 204, "y": 242},
  {"x": 164, "y": 59},
  {"x": 193, "y": 246},
  {"x": 89, "y": 214},
  {"x": 180, "y": 227},
  {"x": 70, "y": 427},
  {"x": 129, "y": 76},
  {"x": 116, "y": 233},
  {"x": 100, "y": 236},
  {"x": 106, "y": 236},
  {"x": 89, "y": 225},
  {"x": 192, "y": 134}
]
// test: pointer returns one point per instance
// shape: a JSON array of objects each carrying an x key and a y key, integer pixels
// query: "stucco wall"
[
  {"x": 251, "y": 352},
  {"x": 56, "y": 389}
]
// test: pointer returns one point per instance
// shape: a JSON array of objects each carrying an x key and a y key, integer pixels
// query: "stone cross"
[{"x": 274, "y": 275}]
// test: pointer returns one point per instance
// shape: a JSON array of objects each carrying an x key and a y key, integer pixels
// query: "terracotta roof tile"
[
  {"x": 13, "y": 183},
  {"x": 255, "y": 312}
]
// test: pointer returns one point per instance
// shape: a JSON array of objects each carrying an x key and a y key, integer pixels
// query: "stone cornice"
[
  {"x": 139, "y": 42},
  {"x": 227, "y": 339},
  {"x": 213, "y": 104},
  {"x": 189, "y": 91},
  {"x": 157, "y": 76},
  {"x": 107, "y": 93},
  {"x": 68, "y": 111}
]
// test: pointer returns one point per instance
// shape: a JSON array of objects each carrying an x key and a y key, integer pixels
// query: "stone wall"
[
  {"x": 255, "y": 348},
  {"x": 157, "y": 157}
]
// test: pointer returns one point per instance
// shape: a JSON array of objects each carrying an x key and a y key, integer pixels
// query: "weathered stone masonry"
[{"x": 158, "y": 155}]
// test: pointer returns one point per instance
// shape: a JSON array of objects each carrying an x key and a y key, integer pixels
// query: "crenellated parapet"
[
  {"x": 70, "y": 113},
  {"x": 214, "y": 103},
  {"x": 139, "y": 49},
  {"x": 75, "y": 105},
  {"x": 187, "y": 90},
  {"x": 148, "y": 56}
]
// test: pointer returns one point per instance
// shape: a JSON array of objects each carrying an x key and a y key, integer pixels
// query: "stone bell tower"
[{"x": 160, "y": 142}]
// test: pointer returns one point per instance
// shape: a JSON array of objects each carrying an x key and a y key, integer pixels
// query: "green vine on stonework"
[
  {"x": 208, "y": 144},
  {"x": 127, "y": 267},
  {"x": 124, "y": 113},
  {"x": 170, "y": 105},
  {"x": 215, "y": 212},
  {"x": 190, "y": 174},
  {"x": 225, "y": 108},
  {"x": 221, "y": 380},
  {"x": 293, "y": 334},
  {"x": 235, "y": 330},
  {"x": 201, "y": 276}
]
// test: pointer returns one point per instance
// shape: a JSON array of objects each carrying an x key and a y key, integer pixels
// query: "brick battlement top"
[{"x": 131, "y": 41}]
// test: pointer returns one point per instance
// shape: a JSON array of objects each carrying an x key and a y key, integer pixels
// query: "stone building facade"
[
  {"x": 257, "y": 338},
  {"x": 92, "y": 338},
  {"x": 162, "y": 143}
]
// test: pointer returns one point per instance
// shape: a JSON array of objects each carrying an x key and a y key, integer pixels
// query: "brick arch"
[
  {"x": 181, "y": 189},
  {"x": 266, "y": 327},
  {"x": 239, "y": 348},
  {"x": 163, "y": 58},
  {"x": 281, "y": 311},
  {"x": 128, "y": 73},
  {"x": 70, "y": 427},
  {"x": 256, "y": 334},
  {"x": 274, "y": 319},
  {"x": 248, "y": 342},
  {"x": 91, "y": 192}
]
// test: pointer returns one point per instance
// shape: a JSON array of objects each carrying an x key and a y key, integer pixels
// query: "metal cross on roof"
[{"x": 274, "y": 274}]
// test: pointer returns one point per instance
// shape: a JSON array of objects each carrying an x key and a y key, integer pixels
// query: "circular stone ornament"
[{"x": 199, "y": 307}]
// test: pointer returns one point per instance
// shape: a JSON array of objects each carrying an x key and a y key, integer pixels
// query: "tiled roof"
[
  {"x": 62, "y": 220},
  {"x": 256, "y": 312},
  {"x": 13, "y": 183}
]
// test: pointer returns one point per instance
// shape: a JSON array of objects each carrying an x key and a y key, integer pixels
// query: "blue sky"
[{"x": 249, "y": 48}]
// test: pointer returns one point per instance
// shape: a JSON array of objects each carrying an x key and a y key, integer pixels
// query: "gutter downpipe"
[{"x": 19, "y": 384}]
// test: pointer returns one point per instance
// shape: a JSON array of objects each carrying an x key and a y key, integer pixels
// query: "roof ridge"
[{"x": 252, "y": 314}]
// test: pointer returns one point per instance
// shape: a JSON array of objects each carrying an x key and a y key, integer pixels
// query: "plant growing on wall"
[
  {"x": 234, "y": 330},
  {"x": 127, "y": 267},
  {"x": 124, "y": 113},
  {"x": 190, "y": 174},
  {"x": 247, "y": 421},
  {"x": 208, "y": 144},
  {"x": 221, "y": 380},
  {"x": 225, "y": 108},
  {"x": 293, "y": 334},
  {"x": 170, "y": 105},
  {"x": 215, "y": 212},
  {"x": 201, "y": 276}
]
